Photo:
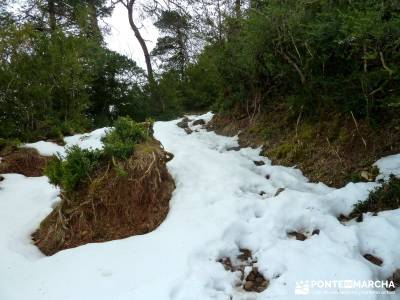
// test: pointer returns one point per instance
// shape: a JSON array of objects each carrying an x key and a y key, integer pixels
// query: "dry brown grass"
[
  {"x": 122, "y": 198},
  {"x": 334, "y": 150},
  {"x": 27, "y": 162}
]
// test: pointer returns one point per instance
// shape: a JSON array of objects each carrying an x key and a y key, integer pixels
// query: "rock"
[
  {"x": 315, "y": 232},
  {"x": 199, "y": 122},
  {"x": 373, "y": 259},
  {"x": 359, "y": 218},
  {"x": 248, "y": 286},
  {"x": 268, "y": 177},
  {"x": 168, "y": 156},
  {"x": 343, "y": 218},
  {"x": 1, "y": 178},
  {"x": 233, "y": 148},
  {"x": 255, "y": 281},
  {"x": 227, "y": 263},
  {"x": 184, "y": 123},
  {"x": 244, "y": 255},
  {"x": 188, "y": 130},
  {"x": 280, "y": 190},
  {"x": 259, "y": 163},
  {"x": 262, "y": 193},
  {"x": 251, "y": 276},
  {"x": 366, "y": 175},
  {"x": 298, "y": 235}
]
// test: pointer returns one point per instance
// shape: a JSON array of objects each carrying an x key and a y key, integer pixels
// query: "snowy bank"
[{"x": 223, "y": 202}]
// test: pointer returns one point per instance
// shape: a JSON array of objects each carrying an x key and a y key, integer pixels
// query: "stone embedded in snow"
[
  {"x": 255, "y": 282},
  {"x": 198, "y": 122},
  {"x": 297, "y": 235},
  {"x": 184, "y": 123},
  {"x": 373, "y": 259},
  {"x": 259, "y": 163},
  {"x": 280, "y": 190},
  {"x": 315, "y": 232}
]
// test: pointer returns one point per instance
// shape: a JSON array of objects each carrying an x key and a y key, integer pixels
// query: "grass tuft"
[{"x": 385, "y": 197}]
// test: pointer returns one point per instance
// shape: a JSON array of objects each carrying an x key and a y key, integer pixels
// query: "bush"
[
  {"x": 120, "y": 141},
  {"x": 79, "y": 163},
  {"x": 75, "y": 168},
  {"x": 386, "y": 197}
]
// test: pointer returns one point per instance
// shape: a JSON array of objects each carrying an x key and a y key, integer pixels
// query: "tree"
[
  {"x": 173, "y": 46},
  {"x": 129, "y": 5}
]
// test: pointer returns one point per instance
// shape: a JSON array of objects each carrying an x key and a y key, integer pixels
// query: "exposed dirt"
[
  {"x": 335, "y": 149},
  {"x": 252, "y": 281},
  {"x": 121, "y": 199},
  {"x": 27, "y": 162}
]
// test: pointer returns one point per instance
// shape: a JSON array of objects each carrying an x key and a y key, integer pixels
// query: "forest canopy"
[{"x": 58, "y": 77}]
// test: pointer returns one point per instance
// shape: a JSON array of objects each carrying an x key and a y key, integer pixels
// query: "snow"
[
  {"x": 389, "y": 165},
  {"x": 46, "y": 148},
  {"x": 90, "y": 140},
  {"x": 215, "y": 210}
]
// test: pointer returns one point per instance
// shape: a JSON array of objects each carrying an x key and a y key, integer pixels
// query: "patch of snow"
[
  {"x": 46, "y": 148},
  {"x": 216, "y": 209},
  {"x": 389, "y": 165},
  {"x": 90, "y": 140}
]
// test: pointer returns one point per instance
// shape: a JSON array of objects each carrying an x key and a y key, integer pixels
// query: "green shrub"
[
  {"x": 120, "y": 141},
  {"x": 79, "y": 163},
  {"x": 75, "y": 168},
  {"x": 386, "y": 197}
]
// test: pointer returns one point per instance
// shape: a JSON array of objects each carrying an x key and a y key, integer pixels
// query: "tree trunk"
[
  {"x": 52, "y": 15},
  {"x": 94, "y": 24},
  {"x": 150, "y": 74},
  {"x": 219, "y": 21},
  {"x": 238, "y": 9}
]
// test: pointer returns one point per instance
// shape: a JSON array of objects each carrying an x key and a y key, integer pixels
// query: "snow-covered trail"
[{"x": 215, "y": 210}]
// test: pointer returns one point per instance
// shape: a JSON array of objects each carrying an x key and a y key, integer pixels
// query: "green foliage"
[
  {"x": 318, "y": 56},
  {"x": 119, "y": 169},
  {"x": 78, "y": 164},
  {"x": 120, "y": 141},
  {"x": 75, "y": 168},
  {"x": 386, "y": 197},
  {"x": 43, "y": 81},
  {"x": 115, "y": 88},
  {"x": 202, "y": 85},
  {"x": 172, "y": 47},
  {"x": 58, "y": 84}
]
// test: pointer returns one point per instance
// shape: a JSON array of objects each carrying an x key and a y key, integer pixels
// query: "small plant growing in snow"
[
  {"x": 120, "y": 141},
  {"x": 386, "y": 197}
]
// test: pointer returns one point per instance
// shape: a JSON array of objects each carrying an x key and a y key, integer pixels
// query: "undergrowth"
[
  {"x": 120, "y": 142},
  {"x": 385, "y": 197},
  {"x": 78, "y": 164},
  {"x": 76, "y": 167}
]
